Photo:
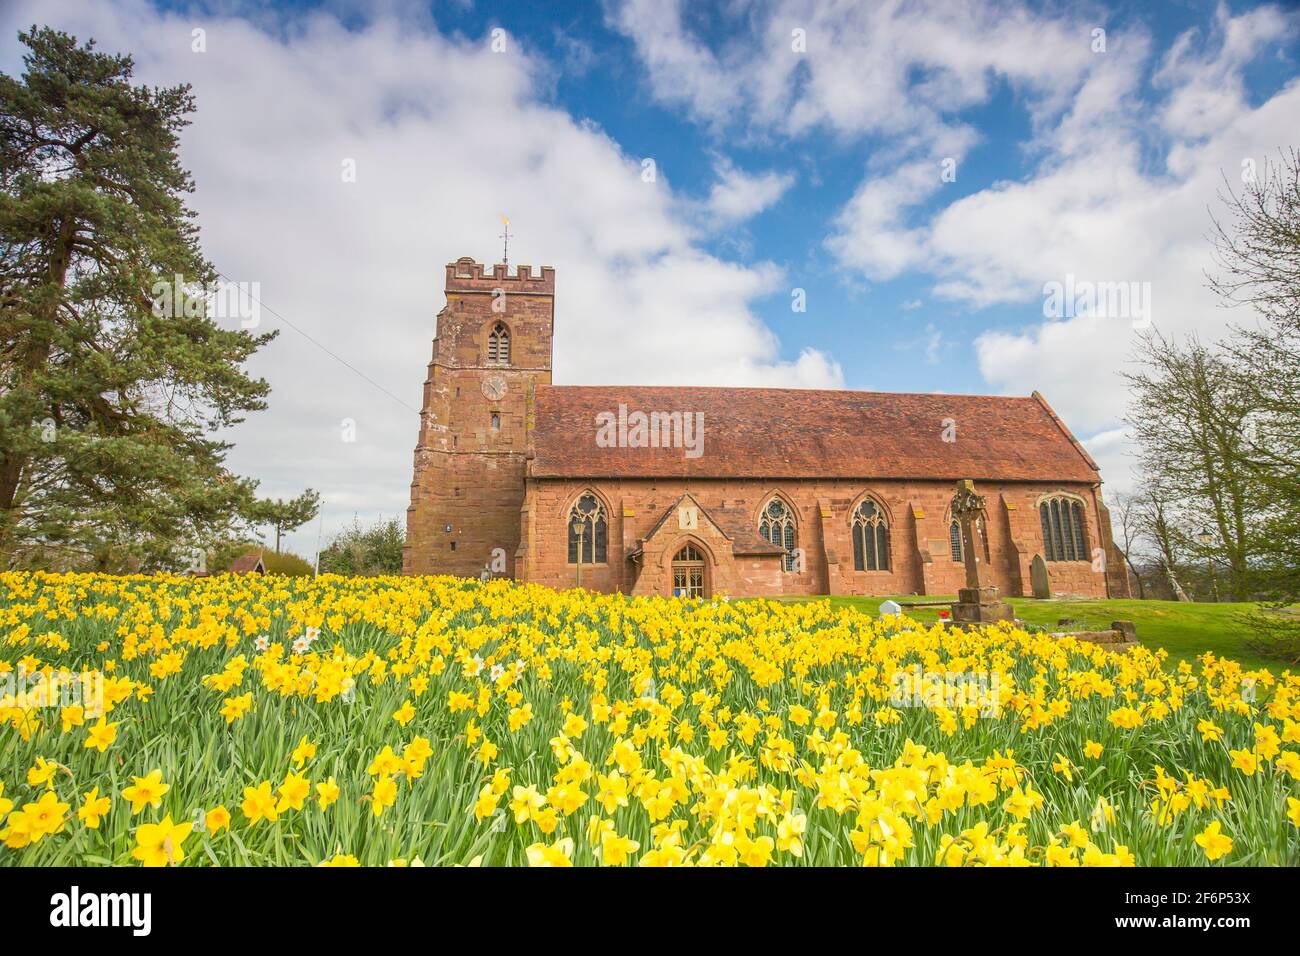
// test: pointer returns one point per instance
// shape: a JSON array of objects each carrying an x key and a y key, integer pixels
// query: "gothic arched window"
[
  {"x": 498, "y": 351},
  {"x": 1062, "y": 520},
  {"x": 777, "y": 526},
  {"x": 870, "y": 538},
  {"x": 587, "y": 525}
]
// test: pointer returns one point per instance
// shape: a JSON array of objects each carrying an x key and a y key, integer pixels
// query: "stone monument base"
[
  {"x": 1120, "y": 639},
  {"x": 981, "y": 606}
]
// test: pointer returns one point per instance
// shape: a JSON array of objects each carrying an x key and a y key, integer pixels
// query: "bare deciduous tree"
[
  {"x": 1125, "y": 532},
  {"x": 1189, "y": 412}
]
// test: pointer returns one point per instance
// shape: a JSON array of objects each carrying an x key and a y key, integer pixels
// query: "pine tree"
[
  {"x": 285, "y": 515},
  {"x": 108, "y": 403}
]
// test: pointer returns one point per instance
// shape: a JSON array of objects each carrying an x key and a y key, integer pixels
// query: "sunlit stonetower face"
[{"x": 492, "y": 348}]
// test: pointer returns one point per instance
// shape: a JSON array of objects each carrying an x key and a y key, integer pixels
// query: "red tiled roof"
[
  {"x": 806, "y": 433},
  {"x": 738, "y": 525},
  {"x": 246, "y": 563}
]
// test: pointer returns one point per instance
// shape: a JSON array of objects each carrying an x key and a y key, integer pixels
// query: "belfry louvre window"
[
  {"x": 499, "y": 345},
  {"x": 777, "y": 526},
  {"x": 1062, "y": 520},
  {"x": 870, "y": 538},
  {"x": 589, "y": 530}
]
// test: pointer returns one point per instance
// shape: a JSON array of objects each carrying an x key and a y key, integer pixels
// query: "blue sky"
[
  {"x": 876, "y": 330},
  {"x": 778, "y": 169}
]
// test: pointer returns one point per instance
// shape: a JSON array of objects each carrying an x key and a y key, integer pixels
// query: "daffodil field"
[{"x": 246, "y": 720}]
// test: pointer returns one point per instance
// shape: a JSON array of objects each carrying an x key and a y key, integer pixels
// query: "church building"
[{"x": 710, "y": 492}]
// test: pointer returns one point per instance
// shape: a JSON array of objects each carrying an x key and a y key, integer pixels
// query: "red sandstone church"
[{"x": 728, "y": 491}]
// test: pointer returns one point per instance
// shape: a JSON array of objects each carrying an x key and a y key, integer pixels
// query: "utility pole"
[{"x": 320, "y": 524}]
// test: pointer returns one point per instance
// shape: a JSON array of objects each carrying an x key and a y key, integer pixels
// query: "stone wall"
[{"x": 921, "y": 559}]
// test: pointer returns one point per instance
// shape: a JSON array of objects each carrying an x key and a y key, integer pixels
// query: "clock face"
[{"x": 494, "y": 388}]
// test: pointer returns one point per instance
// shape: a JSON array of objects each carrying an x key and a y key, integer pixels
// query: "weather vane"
[{"x": 505, "y": 236}]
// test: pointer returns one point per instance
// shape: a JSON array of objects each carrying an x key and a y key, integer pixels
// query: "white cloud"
[
  {"x": 1100, "y": 216},
  {"x": 1095, "y": 206},
  {"x": 738, "y": 195},
  {"x": 1112, "y": 450},
  {"x": 871, "y": 234},
  {"x": 446, "y": 135},
  {"x": 681, "y": 71},
  {"x": 902, "y": 73},
  {"x": 1206, "y": 88},
  {"x": 895, "y": 68}
]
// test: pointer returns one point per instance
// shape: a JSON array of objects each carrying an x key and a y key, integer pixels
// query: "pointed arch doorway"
[{"x": 690, "y": 572}]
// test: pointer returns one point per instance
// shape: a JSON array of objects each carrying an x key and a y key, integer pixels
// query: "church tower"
[{"x": 491, "y": 350}]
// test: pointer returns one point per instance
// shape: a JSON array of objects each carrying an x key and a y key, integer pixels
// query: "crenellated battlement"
[{"x": 466, "y": 275}]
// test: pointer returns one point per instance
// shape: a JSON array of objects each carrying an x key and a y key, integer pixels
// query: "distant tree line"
[{"x": 372, "y": 550}]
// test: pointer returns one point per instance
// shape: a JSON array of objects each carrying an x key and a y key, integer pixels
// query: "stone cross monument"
[{"x": 978, "y": 601}]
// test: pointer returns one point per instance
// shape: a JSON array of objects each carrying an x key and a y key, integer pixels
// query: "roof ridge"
[{"x": 769, "y": 388}]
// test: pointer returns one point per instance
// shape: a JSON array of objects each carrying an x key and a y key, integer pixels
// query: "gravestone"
[
  {"x": 890, "y": 608},
  {"x": 978, "y": 601},
  {"x": 1039, "y": 582}
]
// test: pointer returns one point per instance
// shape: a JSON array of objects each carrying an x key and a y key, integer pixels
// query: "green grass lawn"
[{"x": 1186, "y": 630}]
